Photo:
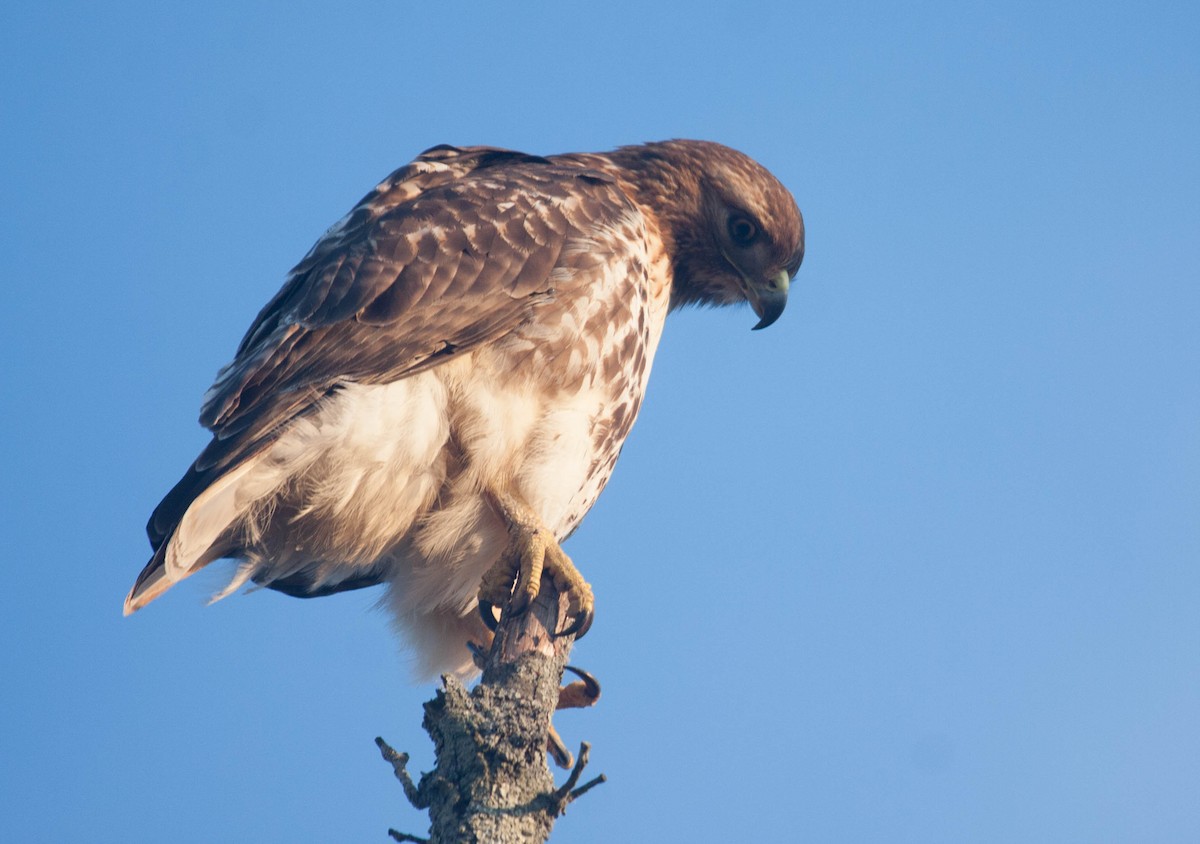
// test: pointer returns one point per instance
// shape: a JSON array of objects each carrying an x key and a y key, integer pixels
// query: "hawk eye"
[{"x": 742, "y": 230}]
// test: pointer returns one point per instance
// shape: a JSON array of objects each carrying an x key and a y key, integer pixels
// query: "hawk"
[{"x": 439, "y": 392}]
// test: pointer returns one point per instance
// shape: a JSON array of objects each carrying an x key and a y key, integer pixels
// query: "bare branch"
[
  {"x": 491, "y": 784},
  {"x": 567, "y": 792},
  {"x": 399, "y": 761}
]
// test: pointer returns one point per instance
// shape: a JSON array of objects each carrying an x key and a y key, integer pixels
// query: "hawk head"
[{"x": 734, "y": 232}]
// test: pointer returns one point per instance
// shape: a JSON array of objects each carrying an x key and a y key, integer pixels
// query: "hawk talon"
[
  {"x": 578, "y": 627},
  {"x": 582, "y": 693},
  {"x": 514, "y": 581},
  {"x": 528, "y": 554},
  {"x": 557, "y": 749},
  {"x": 487, "y": 611}
]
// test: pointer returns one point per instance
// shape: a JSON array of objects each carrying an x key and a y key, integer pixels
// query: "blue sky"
[{"x": 917, "y": 564}]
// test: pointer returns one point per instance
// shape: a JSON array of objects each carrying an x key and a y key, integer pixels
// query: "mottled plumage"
[{"x": 484, "y": 321}]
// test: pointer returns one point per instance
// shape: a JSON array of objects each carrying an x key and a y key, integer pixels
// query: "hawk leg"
[{"x": 514, "y": 581}]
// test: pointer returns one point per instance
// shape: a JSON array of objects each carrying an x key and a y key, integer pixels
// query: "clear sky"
[{"x": 920, "y": 563}]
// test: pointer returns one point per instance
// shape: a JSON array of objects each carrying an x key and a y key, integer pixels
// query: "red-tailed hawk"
[{"x": 440, "y": 391}]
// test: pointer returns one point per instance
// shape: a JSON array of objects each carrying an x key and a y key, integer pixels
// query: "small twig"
[
  {"x": 399, "y": 761},
  {"x": 404, "y": 836},
  {"x": 586, "y": 787},
  {"x": 564, "y": 790},
  {"x": 567, "y": 792}
]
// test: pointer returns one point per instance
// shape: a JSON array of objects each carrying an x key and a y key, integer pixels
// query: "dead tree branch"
[{"x": 491, "y": 784}]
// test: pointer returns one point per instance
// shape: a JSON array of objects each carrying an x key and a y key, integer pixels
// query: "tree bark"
[{"x": 491, "y": 784}]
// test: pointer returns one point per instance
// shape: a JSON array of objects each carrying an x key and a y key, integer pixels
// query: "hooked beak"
[{"x": 768, "y": 298}]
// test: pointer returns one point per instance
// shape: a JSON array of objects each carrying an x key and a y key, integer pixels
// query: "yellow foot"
[{"x": 516, "y": 578}]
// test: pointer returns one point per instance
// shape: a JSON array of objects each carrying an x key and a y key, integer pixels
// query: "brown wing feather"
[{"x": 451, "y": 251}]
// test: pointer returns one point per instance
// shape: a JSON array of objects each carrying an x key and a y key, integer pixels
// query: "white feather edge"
[{"x": 213, "y": 511}]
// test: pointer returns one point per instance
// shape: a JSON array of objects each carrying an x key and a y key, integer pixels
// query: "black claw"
[
  {"x": 590, "y": 684},
  {"x": 518, "y": 604},
  {"x": 587, "y": 625},
  {"x": 582, "y": 693},
  {"x": 558, "y": 751},
  {"x": 487, "y": 611},
  {"x": 579, "y": 626}
]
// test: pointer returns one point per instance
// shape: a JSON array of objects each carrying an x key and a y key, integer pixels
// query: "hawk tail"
[
  {"x": 151, "y": 583},
  {"x": 200, "y": 535}
]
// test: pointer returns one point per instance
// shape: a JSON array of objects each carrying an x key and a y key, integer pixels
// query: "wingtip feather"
[{"x": 146, "y": 590}]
